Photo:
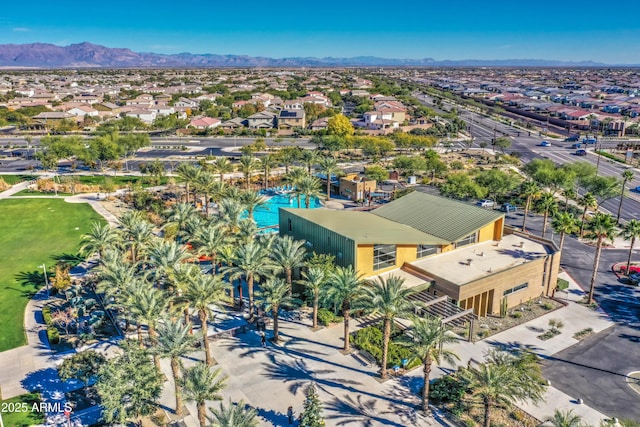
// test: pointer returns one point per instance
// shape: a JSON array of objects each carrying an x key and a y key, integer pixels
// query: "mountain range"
[{"x": 88, "y": 55}]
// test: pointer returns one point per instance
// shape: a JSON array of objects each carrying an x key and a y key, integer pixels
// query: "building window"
[
  {"x": 515, "y": 289},
  {"x": 290, "y": 226},
  {"x": 384, "y": 256},
  {"x": 471, "y": 238},
  {"x": 426, "y": 250}
]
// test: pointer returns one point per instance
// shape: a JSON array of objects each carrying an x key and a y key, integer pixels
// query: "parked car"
[
  {"x": 576, "y": 145},
  {"x": 572, "y": 138},
  {"x": 589, "y": 140},
  {"x": 485, "y": 203},
  {"x": 545, "y": 144},
  {"x": 581, "y": 152},
  {"x": 637, "y": 189},
  {"x": 508, "y": 207}
]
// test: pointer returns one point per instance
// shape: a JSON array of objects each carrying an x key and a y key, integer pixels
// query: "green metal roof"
[
  {"x": 448, "y": 219},
  {"x": 365, "y": 228}
]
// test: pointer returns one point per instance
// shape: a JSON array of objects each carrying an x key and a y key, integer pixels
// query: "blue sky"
[{"x": 462, "y": 29}]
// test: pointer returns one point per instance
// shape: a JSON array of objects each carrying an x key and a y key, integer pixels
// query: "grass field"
[
  {"x": 33, "y": 232},
  {"x": 19, "y": 411},
  {"x": 14, "y": 179}
]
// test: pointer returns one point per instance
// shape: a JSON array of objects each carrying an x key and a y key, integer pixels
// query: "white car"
[{"x": 485, "y": 203}]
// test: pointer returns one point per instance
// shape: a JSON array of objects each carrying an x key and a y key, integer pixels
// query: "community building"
[{"x": 447, "y": 247}]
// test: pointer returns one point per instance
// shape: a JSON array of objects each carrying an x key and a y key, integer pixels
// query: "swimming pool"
[{"x": 267, "y": 215}]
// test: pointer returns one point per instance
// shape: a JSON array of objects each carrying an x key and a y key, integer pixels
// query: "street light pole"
[
  {"x": 598, "y": 162},
  {"x": 46, "y": 282}
]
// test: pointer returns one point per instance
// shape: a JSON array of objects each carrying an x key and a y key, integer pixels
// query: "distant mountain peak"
[{"x": 87, "y": 54}]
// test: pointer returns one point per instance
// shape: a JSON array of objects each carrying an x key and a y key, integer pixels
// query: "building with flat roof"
[{"x": 442, "y": 245}]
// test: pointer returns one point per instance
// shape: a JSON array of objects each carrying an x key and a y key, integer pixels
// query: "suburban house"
[
  {"x": 355, "y": 187},
  {"x": 144, "y": 114},
  {"x": 143, "y": 100},
  {"x": 82, "y": 110},
  {"x": 288, "y": 119},
  {"x": 204, "y": 123},
  {"x": 377, "y": 120},
  {"x": 450, "y": 248},
  {"x": 262, "y": 120}
]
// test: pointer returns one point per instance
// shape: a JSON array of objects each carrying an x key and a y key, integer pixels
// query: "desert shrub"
[
  {"x": 370, "y": 340},
  {"x": 516, "y": 314},
  {"x": 53, "y": 335},
  {"x": 326, "y": 317},
  {"x": 447, "y": 389},
  {"x": 46, "y": 315},
  {"x": 547, "y": 306}
]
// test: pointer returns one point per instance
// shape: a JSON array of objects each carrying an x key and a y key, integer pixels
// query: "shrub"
[
  {"x": 547, "y": 306},
  {"x": 46, "y": 315},
  {"x": 469, "y": 423},
  {"x": 370, "y": 340},
  {"x": 53, "y": 335},
  {"x": 516, "y": 314},
  {"x": 326, "y": 317},
  {"x": 447, "y": 389}
]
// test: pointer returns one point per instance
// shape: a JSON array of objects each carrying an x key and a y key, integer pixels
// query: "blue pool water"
[{"x": 267, "y": 215}]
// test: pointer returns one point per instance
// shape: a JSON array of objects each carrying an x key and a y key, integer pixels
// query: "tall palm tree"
[
  {"x": 166, "y": 259},
  {"x": 209, "y": 240},
  {"x": 309, "y": 158},
  {"x": 308, "y": 187},
  {"x": 200, "y": 292},
  {"x": 599, "y": 228},
  {"x": 631, "y": 231},
  {"x": 266, "y": 164},
  {"x": 99, "y": 238},
  {"x": 250, "y": 262},
  {"x": 294, "y": 176},
  {"x": 136, "y": 231},
  {"x": 344, "y": 290},
  {"x": 287, "y": 157},
  {"x": 627, "y": 175},
  {"x": 548, "y": 205},
  {"x": 389, "y": 298},
  {"x": 247, "y": 165},
  {"x": 587, "y": 201},
  {"x": 564, "y": 223},
  {"x": 179, "y": 215},
  {"x": 230, "y": 212},
  {"x": 429, "y": 336},
  {"x": 222, "y": 165},
  {"x": 188, "y": 172},
  {"x": 568, "y": 193},
  {"x": 531, "y": 192},
  {"x": 148, "y": 304},
  {"x": 287, "y": 255},
  {"x": 328, "y": 166},
  {"x": 273, "y": 294},
  {"x": 564, "y": 419},
  {"x": 174, "y": 342},
  {"x": 207, "y": 185},
  {"x": 498, "y": 384},
  {"x": 314, "y": 280},
  {"x": 200, "y": 383},
  {"x": 234, "y": 416},
  {"x": 252, "y": 200}
]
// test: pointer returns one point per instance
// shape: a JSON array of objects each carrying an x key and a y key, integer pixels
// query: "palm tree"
[
  {"x": 308, "y": 187},
  {"x": 252, "y": 263},
  {"x": 267, "y": 163},
  {"x": 286, "y": 157},
  {"x": 230, "y": 212},
  {"x": 568, "y": 193},
  {"x": 200, "y": 292},
  {"x": 201, "y": 383},
  {"x": 429, "y": 336},
  {"x": 389, "y": 298},
  {"x": 564, "y": 223},
  {"x": 252, "y": 200},
  {"x": 233, "y": 416},
  {"x": 273, "y": 294},
  {"x": 189, "y": 173},
  {"x": 99, "y": 238},
  {"x": 564, "y": 419},
  {"x": 136, "y": 231},
  {"x": 247, "y": 165},
  {"x": 179, "y": 215},
  {"x": 328, "y": 166},
  {"x": 531, "y": 192},
  {"x": 166, "y": 258},
  {"x": 546, "y": 204},
  {"x": 498, "y": 384},
  {"x": 207, "y": 185},
  {"x": 587, "y": 201},
  {"x": 627, "y": 175},
  {"x": 222, "y": 165},
  {"x": 631, "y": 231},
  {"x": 174, "y": 342},
  {"x": 288, "y": 254},
  {"x": 344, "y": 290},
  {"x": 209, "y": 240},
  {"x": 309, "y": 157},
  {"x": 315, "y": 278},
  {"x": 599, "y": 228},
  {"x": 148, "y": 304}
]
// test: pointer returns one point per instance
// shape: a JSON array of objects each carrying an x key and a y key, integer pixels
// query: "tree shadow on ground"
[
  {"x": 34, "y": 279},
  {"x": 364, "y": 413}
]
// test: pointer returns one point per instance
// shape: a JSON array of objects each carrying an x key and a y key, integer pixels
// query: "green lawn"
[
  {"x": 19, "y": 411},
  {"x": 32, "y": 232},
  {"x": 14, "y": 179}
]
